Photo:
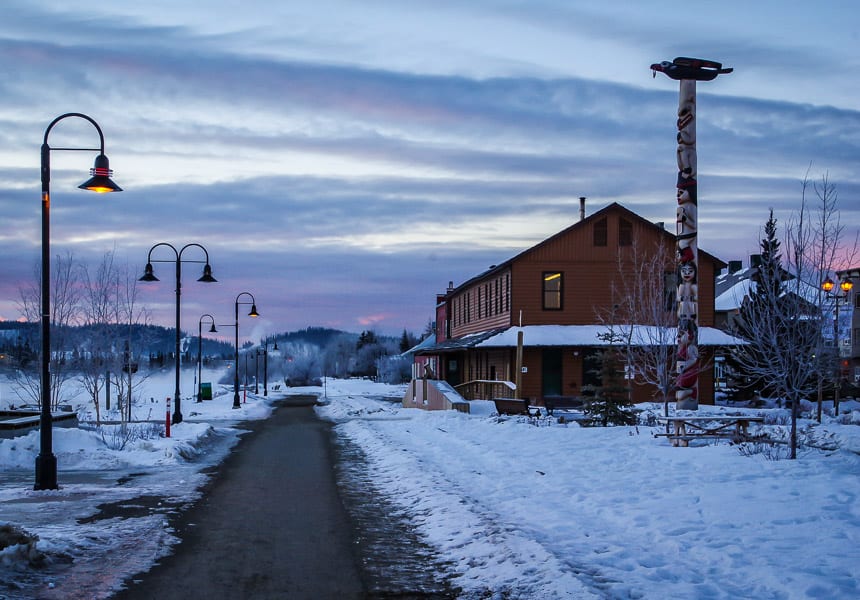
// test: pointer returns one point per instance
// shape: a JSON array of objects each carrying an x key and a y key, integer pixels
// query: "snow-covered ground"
[{"x": 521, "y": 508}]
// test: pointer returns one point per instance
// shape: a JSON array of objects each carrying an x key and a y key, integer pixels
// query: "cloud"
[{"x": 342, "y": 188}]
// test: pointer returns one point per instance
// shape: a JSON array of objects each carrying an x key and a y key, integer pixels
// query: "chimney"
[
  {"x": 755, "y": 260},
  {"x": 735, "y": 266},
  {"x": 581, "y": 208},
  {"x": 450, "y": 286}
]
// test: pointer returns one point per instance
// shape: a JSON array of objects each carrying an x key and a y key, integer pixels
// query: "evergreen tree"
[
  {"x": 762, "y": 301},
  {"x": 405, "y": 342},
  {"x": 610, "y": 404}
]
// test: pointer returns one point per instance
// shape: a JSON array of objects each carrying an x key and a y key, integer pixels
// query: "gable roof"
[
  {"x": 613, "y": 207},
  {"x": 731, "y": 289}
]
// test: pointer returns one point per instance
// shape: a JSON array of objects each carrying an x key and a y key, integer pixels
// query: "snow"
[
  {"x": 595, "y": 335},
  {"x": 519, "y": 507}
]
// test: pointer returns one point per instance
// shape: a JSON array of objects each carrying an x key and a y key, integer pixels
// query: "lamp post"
[
  {"x": 148, "y": 275},
  {"x": 257, "y": 371},
  {"x": 253, "y": 313},
  {"x": 46, "y": 461},
  {"x": 200, "y": 352},
  {"x": 266, "y": 365},
  {"x": 844, "y": 286}
]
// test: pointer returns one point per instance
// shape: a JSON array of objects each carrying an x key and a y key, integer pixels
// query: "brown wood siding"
[
  {"x": 484, "y": 305},
  {"x": 589, "y": 274}
]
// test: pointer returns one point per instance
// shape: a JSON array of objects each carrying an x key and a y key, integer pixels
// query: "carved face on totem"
[{"x": 688, "y": 272}]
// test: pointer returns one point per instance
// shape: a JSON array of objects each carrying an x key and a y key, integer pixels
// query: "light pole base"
[
  {"x": 46, "y": 472},
  {"x": 177, "y": 418}
]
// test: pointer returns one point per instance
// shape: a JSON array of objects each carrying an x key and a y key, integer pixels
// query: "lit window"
[{"x": 552, "y": 289}]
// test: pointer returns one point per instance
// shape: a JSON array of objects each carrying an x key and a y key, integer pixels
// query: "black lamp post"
[
  {"x": 253, "y": 313},
  {"x": 844, "y": 286},
  {"x": 200, "y": 352},
  {"x": 266, "y": 365},
  {"x": 46, "y": 461},
  {"x": 148, "y": 275},
  {"x": 257, "y": 371}
]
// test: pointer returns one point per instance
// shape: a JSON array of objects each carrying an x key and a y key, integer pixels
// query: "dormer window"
[
  {"x": 600, "y": 229},
  {"x": 625, "y": 232}
]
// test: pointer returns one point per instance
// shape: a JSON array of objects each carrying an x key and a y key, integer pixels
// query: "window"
[
  {"x": 552, "y": 288},
  {"x": 600, "y": 233},
  {"x": 625, "y": 232}
]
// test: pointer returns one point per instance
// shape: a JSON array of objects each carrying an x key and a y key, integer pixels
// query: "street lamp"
[
  {"x": 200, "y": 352},
  {"x": 844, "y": 286},
  {"x": 257, "y": 371},
  {"x": 266, "y": 365},
  {"x": 46, "y": 462},
  {"x": 253, "y": 313},
  {"x": 148, "y": 275}
]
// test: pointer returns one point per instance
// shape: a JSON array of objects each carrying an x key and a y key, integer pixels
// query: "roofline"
[{"x": 581, "y": 223}]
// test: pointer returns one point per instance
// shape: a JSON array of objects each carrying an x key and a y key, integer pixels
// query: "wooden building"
[{"x": 552, "y": 293}]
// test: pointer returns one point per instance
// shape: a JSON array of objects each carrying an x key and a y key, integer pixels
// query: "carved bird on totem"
[{"x": 690, "y": 68}]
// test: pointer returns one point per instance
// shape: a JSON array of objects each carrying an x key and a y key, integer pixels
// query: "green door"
[
  {"x": 551, "y": 371},
  {"x": 452, "y": 372}
]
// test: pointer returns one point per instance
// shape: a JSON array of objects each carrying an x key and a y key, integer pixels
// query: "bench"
[
  {"x": 681, "y": 430},
  {"x": 276, "y": 387},
  {"x": 512, "y": 406},
  {"x": 563, "y": 403}
]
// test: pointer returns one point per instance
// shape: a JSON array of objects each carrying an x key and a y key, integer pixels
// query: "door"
[
  {"x": 452, "y": 372},
  {"x": 551, "y": 372}
]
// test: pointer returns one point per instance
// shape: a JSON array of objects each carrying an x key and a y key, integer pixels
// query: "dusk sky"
[{"x": 343, "y": 161}]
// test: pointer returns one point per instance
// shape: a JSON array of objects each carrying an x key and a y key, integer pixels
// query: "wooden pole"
[{"x": 687, "y": 71}]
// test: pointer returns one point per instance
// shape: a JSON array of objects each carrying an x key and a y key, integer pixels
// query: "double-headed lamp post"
[
  {"x": 253, "y": 313},
  {"x": 844, "y": 286},
  {"x": 148, "y": 275},
  {"x": 200, "y": 352},
  {"x": 46, "y": 461}
]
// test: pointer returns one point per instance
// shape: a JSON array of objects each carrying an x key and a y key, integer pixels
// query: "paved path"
[{"x": 270, "y": 525}]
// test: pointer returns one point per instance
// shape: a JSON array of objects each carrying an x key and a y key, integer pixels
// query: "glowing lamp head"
[
  {"x": 253, "y": 312},
  {"x": 100, "y": 180},
  {"x": 827, "y": 285},
  {"x": 845, "y": 285}
]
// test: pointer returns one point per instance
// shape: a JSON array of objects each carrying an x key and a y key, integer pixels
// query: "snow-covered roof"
[
  {"x": 733, "y": 297},
  {"x": 590, "y": 335},
  {"x": 427, "y": 342},
  {"x": 733, "y": 288}
]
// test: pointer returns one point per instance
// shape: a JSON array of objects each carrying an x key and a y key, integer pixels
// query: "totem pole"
[{"x": 688, "y": 71}]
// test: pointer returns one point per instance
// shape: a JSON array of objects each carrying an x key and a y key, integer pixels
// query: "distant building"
[{"x": 848, "y": 339}]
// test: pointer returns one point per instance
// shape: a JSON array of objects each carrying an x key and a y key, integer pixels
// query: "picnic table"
[{"x": 682, "y": 429}]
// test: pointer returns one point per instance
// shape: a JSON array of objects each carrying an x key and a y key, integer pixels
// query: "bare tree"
[
  {"x": 99, "y": 293},
  {"x": 643, "y": 318},
  {"x": 129, "y": 316},
  {"x": 65, "y": 311},
  {"x": 782, "y": 319}
]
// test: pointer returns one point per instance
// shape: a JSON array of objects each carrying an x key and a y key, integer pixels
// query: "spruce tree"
[{"x": 610, "y": 404}]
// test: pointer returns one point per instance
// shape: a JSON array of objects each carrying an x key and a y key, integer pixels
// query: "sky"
[
  {"x": 344, "y": 161},
  {"x": 631, "y": 517}
]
